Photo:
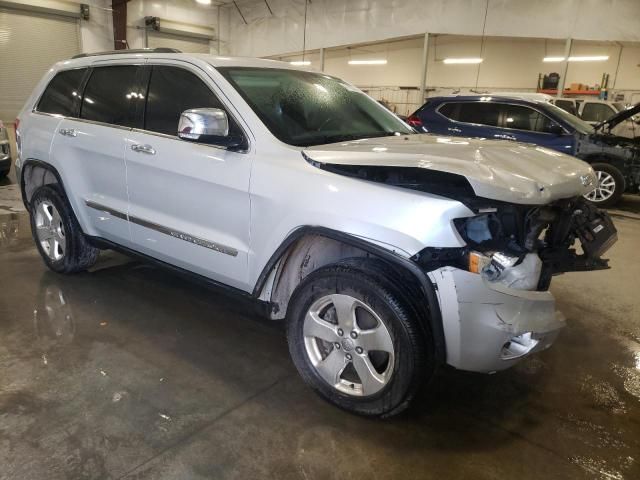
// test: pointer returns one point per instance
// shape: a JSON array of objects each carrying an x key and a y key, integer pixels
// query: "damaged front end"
[{"x": 523, "y": 247}]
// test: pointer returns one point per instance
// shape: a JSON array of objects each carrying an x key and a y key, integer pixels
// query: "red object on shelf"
[{"x": 553, "y": 91}]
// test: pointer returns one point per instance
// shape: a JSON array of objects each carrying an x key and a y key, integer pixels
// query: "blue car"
[{"x": 616, "y": 160}]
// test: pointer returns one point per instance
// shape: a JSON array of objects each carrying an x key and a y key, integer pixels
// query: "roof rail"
[{"x": 132, "y": 50}]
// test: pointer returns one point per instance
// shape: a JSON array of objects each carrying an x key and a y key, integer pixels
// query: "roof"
[
  {"x": 488, "y": 98},
  {"x": 213, "y": 60}
]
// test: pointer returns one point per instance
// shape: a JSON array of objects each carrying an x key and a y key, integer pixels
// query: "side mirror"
[
  {"x": 207, "y": 125},
  {"x": 556, "y": 129},
  {"x": 203, "y": 122}
]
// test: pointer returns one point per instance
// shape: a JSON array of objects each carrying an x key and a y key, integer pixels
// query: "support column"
[
  {"x": 565, "y": 67},
  {"x": 119, "y": 24},
  {"x": 322, "y": 59},
  {"x": 423, "y": 78}
]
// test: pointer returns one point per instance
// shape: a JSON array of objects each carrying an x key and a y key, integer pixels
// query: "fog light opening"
[{"x": 518, "y": 346}]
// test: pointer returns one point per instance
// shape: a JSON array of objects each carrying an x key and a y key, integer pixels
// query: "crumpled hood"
[{"x": 496, "y": 169}]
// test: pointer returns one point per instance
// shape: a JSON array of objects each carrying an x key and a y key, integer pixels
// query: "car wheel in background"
[{"x": 611, "y": 185}]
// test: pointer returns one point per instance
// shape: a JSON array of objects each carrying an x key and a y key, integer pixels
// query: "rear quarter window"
[{"x": 63, "y": 93}]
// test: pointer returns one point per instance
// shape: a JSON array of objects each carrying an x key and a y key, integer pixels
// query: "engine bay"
[{"x": 509, "y": 242}]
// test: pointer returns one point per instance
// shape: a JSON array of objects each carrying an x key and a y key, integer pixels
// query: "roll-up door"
[{"x": 30, "y": 43}]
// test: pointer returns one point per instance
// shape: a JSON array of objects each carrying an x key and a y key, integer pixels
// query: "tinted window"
[
  {"x": 524, "y": 118},
  {"x": 596, "y": 112},
  {"x": 450, "y": 110},
  {"x": 110, "y": 95},
  {"x": 62, "y": 93},
  {"x": 567, "y": 106},
  {"x": 482, "y": 113},
  {"x": 173, "y": 90}
]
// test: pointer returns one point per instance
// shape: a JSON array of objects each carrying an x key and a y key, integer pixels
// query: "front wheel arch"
[{"x": 420, "y": 290}]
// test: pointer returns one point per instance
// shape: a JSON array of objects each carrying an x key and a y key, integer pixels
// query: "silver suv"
[{"x": 387, "y": 252}]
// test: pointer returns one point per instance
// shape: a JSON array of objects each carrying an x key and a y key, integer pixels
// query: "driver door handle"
[
  {"x": 68, "y": 132},
  {"x": 148, "y": 149}
]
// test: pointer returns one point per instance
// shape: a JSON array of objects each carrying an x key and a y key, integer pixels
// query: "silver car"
[
  {"x": 388, "y": 253},
  {"x": 5, "y": 152}
]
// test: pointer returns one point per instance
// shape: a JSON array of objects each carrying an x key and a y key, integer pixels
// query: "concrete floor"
[{"x": 131, "y": 372}]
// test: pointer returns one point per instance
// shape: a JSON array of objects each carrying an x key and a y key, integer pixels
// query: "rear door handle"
[
  {"x": 148, "y": 149},
  {"x": 68, "y": 132}
]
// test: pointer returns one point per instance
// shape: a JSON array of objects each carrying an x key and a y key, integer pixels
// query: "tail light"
[{"x": 414, "y": 121}]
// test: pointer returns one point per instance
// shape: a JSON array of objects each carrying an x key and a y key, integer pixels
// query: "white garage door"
[
  {"x": 182, "y": 43},
  {"x": 29, "y": 44}
]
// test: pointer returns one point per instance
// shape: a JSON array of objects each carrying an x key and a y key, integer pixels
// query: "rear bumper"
[{"x": 490, "y": 327}]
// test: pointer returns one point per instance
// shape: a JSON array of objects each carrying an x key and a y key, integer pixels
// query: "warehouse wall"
[
  {"x": 184, "y": 15},
  {"x": 332, "y": 23},
  {"x": 96, "y": 33}
]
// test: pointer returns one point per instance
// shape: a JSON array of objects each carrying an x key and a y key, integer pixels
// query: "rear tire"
[
  {"x": 611, "y": 186},
  {"x": 3, "y": 174},
  {"x": 57, "y": 234},
  {"x": 356, "y": 342}
]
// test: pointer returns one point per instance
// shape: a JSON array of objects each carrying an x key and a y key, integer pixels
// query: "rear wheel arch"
[
  {"x": 308, "y": 249},
  {"x": 35, "y": 174}
]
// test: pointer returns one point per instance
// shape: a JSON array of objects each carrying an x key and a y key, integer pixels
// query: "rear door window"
[
  {"x": 482, "y": 113},
  {"x": 521, "y": 117},
  {"x": 111, "y": 95},
  {"x": 62, "y": 95}
]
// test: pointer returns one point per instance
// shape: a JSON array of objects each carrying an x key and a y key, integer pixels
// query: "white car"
[
  {"x": 389, "y": 253},
  {"x": 596, "y": 111}
]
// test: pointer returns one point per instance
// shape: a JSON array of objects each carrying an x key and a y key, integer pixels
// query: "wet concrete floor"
[{"x": 129, "y": 371}]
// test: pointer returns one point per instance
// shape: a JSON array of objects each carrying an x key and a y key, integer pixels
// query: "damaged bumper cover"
[
  {"x": 488, "y": 326},
  {"x": 493, "y": 293}
]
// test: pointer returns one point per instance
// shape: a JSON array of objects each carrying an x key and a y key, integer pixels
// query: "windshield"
[
  {"x": 579, "y": 125},
  {"x": 304, "y": 108}
]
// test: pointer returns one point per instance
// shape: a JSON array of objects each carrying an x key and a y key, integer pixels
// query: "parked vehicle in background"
[
  {"x": 615, "y": 159},
  {"x": 596, "y": 111},
  {"x": 387, "y": 252},
  {"x": 5, "y": 151}
]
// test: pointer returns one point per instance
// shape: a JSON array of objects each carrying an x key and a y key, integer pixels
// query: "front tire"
[
  {"x": 57, "y": 234},
  {"x": 611, "y": 186},
  {"x": 356, "y": 342}
]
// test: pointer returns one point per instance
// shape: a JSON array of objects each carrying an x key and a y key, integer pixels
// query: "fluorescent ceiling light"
[
  {"x": 592, "y": 58},
  {"x": 595, "y": 58},
  {"x": 300, "y": 62},
  {"x": 450, "y": 61},
  {"x": 204, "y": 2},
  {"x": 367, "y": 62}
]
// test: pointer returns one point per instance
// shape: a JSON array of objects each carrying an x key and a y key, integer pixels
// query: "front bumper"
[{"x": 490, "y": 327}]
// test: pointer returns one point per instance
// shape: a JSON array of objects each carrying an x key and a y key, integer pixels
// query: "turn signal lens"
[{"x": 477, "y": 262}]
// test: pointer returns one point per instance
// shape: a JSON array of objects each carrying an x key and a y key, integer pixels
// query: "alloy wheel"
[
  {"x": 50, "y": 230},
  {"x": 605, "y": 189},
  {"x": 349, "y": 345}
]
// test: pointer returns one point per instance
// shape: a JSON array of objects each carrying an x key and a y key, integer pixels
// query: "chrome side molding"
[{"x": 201, "y": 242}]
